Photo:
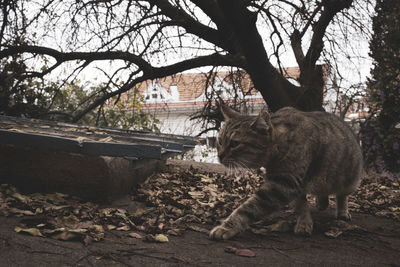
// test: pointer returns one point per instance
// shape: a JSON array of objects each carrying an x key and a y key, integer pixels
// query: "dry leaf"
[
  {"x": 78, "y": 231},
  {"x": 135, "y": 235},
  {"x": 124, "y": 228},
  {"x": 106, "y": 139},
  {"x": 161, "y": 238},
  {"x": 196, "y": 194},
  {"x": 21, "y": 212},
  {"x": 239, "y": 252},
  {"x": 22, "y": 198},
  {"x": 175, "y": 232},
  {"x": 245, "y": 253},
  {"x": 333, "y": 233},
  {"x": 31, "y": 231},
  {"x": 15, "y": 130},
  {"x": 110, "y": 227},
  {"x": 96, "y": 228},
  {"x": 70, "y": 221},
  {"x": 65, "y": 236}
]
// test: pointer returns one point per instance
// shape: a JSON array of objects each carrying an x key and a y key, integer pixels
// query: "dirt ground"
[
  {"x": 377, "y": 244},
  {"x": 371, "y": 241}
]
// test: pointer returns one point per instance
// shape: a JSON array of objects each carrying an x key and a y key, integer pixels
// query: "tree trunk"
[{"x": 276, "y": 90}]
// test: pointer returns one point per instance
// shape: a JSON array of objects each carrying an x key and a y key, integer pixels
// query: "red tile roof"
[{"x": 192, "y": 85}]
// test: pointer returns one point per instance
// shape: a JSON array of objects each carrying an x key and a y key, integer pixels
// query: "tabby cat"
[{"x": 303, "y": 152}]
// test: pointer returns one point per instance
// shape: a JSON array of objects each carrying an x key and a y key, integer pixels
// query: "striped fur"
[{"x": 303, "y": 152}]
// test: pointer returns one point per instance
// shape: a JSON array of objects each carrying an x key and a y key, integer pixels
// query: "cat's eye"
[
  {"x": 234, "y": 144},
  {"x": 219, "y": 142}
]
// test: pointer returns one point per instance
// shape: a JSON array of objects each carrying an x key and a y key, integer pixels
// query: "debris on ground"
[
  {"x": 174, "y": 201},
  {"x": 240, "y": 252},
  {"x": 185, "y": 197},
  {"x": 338, "y": 227},
  {"x": 379, "y": 195}
]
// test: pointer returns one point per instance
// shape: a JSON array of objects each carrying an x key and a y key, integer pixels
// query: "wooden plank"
[{"x": 82, "y": 147}]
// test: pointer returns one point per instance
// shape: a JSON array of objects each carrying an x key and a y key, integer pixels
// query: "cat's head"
[{"x": 244, "y": 141}]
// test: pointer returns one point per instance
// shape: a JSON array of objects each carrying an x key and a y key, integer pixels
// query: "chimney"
[{"x": 174, "y": 92}]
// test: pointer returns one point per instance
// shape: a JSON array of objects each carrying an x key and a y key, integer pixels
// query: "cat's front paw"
[
  {"x": 222, "y": 233},
  {"x": 304, "y": 226}
]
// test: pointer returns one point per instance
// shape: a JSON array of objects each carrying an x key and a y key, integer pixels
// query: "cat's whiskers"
[
  {"x": 240, "y": 168},
  {"x": 230, "y": 165}
]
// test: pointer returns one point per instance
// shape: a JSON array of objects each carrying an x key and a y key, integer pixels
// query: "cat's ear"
[
  {"x": 228, "y": 112},
  {"x": 262, "y": 123}
]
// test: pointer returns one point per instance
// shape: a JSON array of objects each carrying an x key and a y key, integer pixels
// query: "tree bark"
[{"x": 277, "y": 91}]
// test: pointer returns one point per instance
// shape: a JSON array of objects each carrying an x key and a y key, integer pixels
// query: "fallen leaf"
[
  {"x": 106, "y": 212},
  {"x": 141, "y": 212},
  {"x": 31, "y": 231},
  {"x": 239, "y": 252},
  {"x": 175, "y": 232},
  {"x": 124, "y": 228},
  {"x": 135, "y": 235},
  {"x": 55, "y": 207},
  {"x": 65, "y": 236},
  {"x": 206, "y": 179},
  {"x": 70, "y": 221},
  {"x": 106, "y": 139},
  {"x": 161, "y": 238},
  {"x": 21, "y": 212},
  {"x": 110, "y": 227},
  {"x": 22, "y": 198},
  {"x": 124, "y": 217},
  {"x": 85, "y": 224},
  {"x": 78, "y": 231},
  {"x": 15, "y": 130},
  {"x": 333, "y": 233},
  {"x": 245, "y": 253},
  {"x": 96, "y": 228},
  {"x": 196, "y": 194}
]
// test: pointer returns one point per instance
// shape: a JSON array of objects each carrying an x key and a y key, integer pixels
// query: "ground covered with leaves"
[
  {"x": 171, "y": 202},
  {"x": 176, "y": 200}
]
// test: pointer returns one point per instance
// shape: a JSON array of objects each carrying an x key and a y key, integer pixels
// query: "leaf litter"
[
  {"x": 175, "y": 201},
  {"x": 239, "y": 252}
]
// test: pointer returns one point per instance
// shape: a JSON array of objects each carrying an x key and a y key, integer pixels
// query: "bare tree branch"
[
  {"x": 331, "y": 8},
  {"x": 157, "y": 38}
]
